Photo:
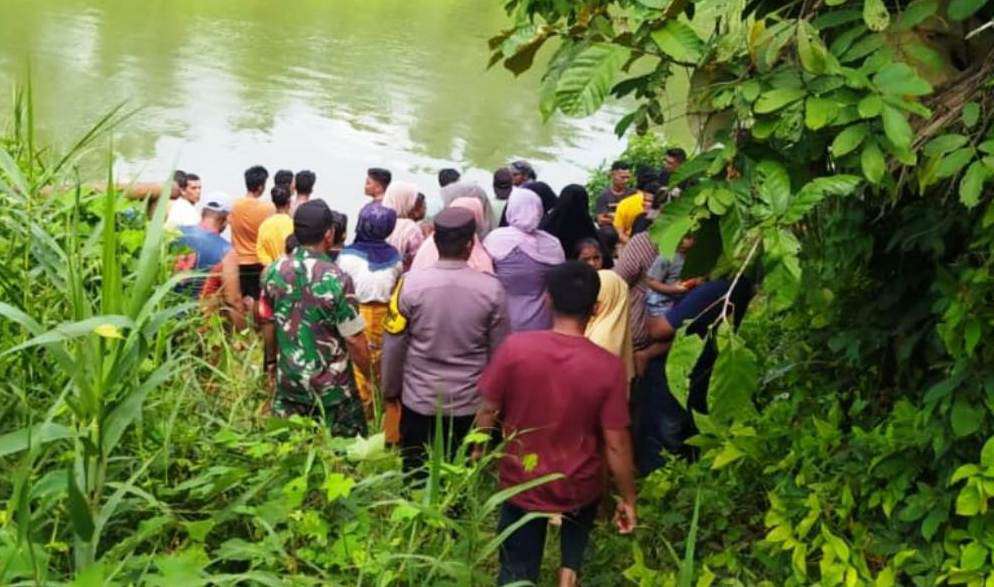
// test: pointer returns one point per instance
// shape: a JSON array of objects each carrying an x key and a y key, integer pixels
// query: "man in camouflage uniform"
[{"x": 318, "y": 329}]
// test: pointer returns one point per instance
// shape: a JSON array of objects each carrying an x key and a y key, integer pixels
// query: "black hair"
[
  {"x": 191, "y": 177},
  {"x": 283, "y": 177},
  {"x": 312, "y": 220},
  {"x": 587, "y": 242},
  {"x": 573, "y": 286},
  {"x": 280, "y": 195},
  {"x": 609, "y": 237},
  {"x": 340, "y": 222},
  {"x": 255, "y": 178},
  {"x": 447, "y": 176},
  {"x": 290, "y": 244},
  {"x": 380, "y": 176},
  {"x": 451, "y": 242},
  {"x": 305, "y": 182},
  {"x": 618, "y": 165},
  {"x": 179, "y": 176},
  {"x": 677, "y": 153},
  {"x": 642, "y": 223},
  {"x": 645, "y": 177}
]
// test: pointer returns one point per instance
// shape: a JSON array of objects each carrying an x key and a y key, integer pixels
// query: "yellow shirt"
[
  {"x": 273, "y": 232},
  {"x": 628, "y": 210}
]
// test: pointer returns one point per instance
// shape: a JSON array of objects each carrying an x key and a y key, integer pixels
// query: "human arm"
[
  {"x": 394, "y": 353},
  {"x": 358, "y": 349},
  {"x": 670, "y": 289},
  {"x": 486, "y": 421},
  {"x": 231, "y": 290},
  {"x": 499, "y": 324},
  {"x": 618, "y": 451}
]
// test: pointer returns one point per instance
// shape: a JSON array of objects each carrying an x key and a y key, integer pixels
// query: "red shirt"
[{"x": 557, "y": 393}]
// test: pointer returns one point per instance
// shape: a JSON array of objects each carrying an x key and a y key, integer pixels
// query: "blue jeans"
[{"x": 521, "y": 553}]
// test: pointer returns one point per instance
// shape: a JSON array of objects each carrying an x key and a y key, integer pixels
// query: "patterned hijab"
[{"x": 375, "y": 224}]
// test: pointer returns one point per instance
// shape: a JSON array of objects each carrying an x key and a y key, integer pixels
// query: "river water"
[{"x": 335, "y": 86}]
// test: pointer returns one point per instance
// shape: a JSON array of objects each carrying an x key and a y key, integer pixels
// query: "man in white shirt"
[{"x": 183, "y": 210}]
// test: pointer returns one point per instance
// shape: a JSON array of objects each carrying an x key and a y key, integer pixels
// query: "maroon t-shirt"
[{"x": 557, "y": 393}]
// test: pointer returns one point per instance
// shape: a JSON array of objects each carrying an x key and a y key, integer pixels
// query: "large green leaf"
[
  {"x": 943, "y": 144},
  {"x": 872, "y": 161},
  {"x": 954, "y": 162},
  {"x": 875, "y": 15},
  {"x": 818, "y": 112},
  {"x": 735, "y": 378},
  {"x": 680, "y": 362},
  {"x": 676, "y": 219},
  {"x": 972, "y": 184},
  {"x": 38, "y": 434},
  {"x": 678, "y": 40},
  {"x": 816, "y": 190},
  {"x": 896, "y": 127},
  {"x": 79, "y": 510},
  {"x": 776, "y": 99},
  {"x": 811, "y": 50},
  {"x": 964, "y": 9},
  {"x": 900, "y": 79},
  {"x": 773, "y": 185},
  {"x": 966, "y": 417},
  {"x": 585, "y": 84},
  {"x": 847, "y": 140}
]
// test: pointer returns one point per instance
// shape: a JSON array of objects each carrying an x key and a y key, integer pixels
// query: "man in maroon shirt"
[{"x": 562, "y": 401}]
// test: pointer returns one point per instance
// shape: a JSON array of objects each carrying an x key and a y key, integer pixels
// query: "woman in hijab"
[
  {"x": 407, "y": 236},
  {"x": 470, "y": 189},
  {"x": 609, "y": 327},
  {"x": 522, "y": 256},
  {"x": 543, "y": 191},
  {"x": 479, "y": 260},
  {"x": 374, "y": 266},
  {"x": 570, "y": 220}
]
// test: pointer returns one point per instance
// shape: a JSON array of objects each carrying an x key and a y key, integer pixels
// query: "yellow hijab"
[{"x": 609, "y": 327}]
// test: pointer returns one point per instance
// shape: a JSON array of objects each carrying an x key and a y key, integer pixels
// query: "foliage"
[{"x": 846, "y": 152}]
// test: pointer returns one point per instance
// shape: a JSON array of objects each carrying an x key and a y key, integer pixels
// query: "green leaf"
[
  {"x": 585, "y": 84},
  {"x": 973, "y": 557},
  {"x": 954, "y": 162},
  {"x": 870, "y": 106},
  {"x": 987, "y": 454},
  {"x": 943, "y": 144},
  {"x": 728, "y": 455},
  {"x": 39, "y": 434},
  {"x": 847, "y": 140},
  {"x": 678, "y": 40},
  {"x": 776, "y": 99},
  {"x": 963, "y": 472},
  {"x": 735, "y": 378},
  {"x": 965, "y": 418},
  {"x": 916, "y": 13},
  {"x": 969, "y": 501},
  {"x": 875, "y": 15},
  {"x": 872, "y": 160},
  {"x": 773, "y": 185},
  {"x": 964, "y": 9},
  {"x": 896, "y": 127},
  {"x": 972, "y": 184},
  {"x": 79, "y": 510},
  {"x": 818, "y": 112},
  {"x": 810, "y": 49},
  {"x": 885, "y": 578},
  {"x": 816, "y": 190},
  {"x": 971, "y": 114},
  {"x": 900, "y": 79},
  {"x": 337, "y": 486},
  {"x": 680, "y": 362}
]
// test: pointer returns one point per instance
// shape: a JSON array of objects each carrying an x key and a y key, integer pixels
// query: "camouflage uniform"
[{"x": 314, "y": 308}]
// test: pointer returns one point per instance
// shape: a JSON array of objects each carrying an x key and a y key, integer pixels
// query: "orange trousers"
[{"x": 373, "y": 315}]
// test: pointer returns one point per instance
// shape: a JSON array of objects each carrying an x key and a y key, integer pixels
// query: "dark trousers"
[
  {"x": 417, "y": 432},
  {"x": 521, "y": 553},
  {"x": 249, "y": 280}
]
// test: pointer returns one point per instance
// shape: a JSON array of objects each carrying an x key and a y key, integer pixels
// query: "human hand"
[{"x": 625, "y": 518}]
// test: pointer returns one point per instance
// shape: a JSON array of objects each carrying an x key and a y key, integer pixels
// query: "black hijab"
[
  {"x": 569, "y": 220},
  {"x": 543, "y": 191}
]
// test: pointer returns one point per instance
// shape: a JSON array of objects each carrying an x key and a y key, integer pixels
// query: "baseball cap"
[
  {"x": 311, "y": 220},
  {"x": 218, "y": 202},
  {"x": 503, "y": 183}
]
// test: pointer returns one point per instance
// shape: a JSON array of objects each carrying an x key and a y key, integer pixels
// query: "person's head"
[
  {"x": 647, "y": 179},
  {"x": 588, "y": 251},
  {"x": 545, "y": 193},
  {"x": 340, "y": 222},
  {"x": 255, "y": 180},
  {"x": 687, "y": 242},
  {"x": 524, "y": 210},
  {"x": 402, "y": 196},
  {"x": 281, "y": 197},
  {"x": 454, "y": 231},
  {"x": 284, "y": 177},
  {"x": 193, "y": 188},
  {"x": 503, "y": 183},
  {"x": 573, "y": 287},
  {"x": 447, "y": 176},
  {"x": 214, "y": 214},
  {"x": 179, "y": 184},
  {"x": 609, "y": 237},
  {"x": 375, "y": 223},
  {"x": 420, "y": 209},
  {"x": 304, "y": 182},
  {"x": 313, "y": 227},
  {"x": 521, "y": 172},
  {"x": 621, "y": 175},
  {"x": 674, "y": 159},
  {"x": 377, "y": 182}
]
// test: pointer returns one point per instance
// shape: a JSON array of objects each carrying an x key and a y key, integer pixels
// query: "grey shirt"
[{"x": 456, "y": 319}]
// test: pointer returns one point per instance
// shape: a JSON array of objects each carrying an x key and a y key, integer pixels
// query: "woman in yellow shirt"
[
  {"x": 628, "y": 210},
  {"x": 271, "y": 243}
]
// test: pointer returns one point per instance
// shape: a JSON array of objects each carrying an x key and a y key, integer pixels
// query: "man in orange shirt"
[{"x": 247, "y": 215}]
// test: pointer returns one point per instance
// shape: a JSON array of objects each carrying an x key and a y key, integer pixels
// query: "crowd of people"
[{"x": 538, "y": 317}]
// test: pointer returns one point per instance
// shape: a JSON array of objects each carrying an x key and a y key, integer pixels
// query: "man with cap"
[
  {"x": 444, "y": 324},
  {"x": 318, "y": 332},
  {"x": 200, "y": 245},
  {"x": 522, "y": 172},
  {"x": 503, "y": 184}
]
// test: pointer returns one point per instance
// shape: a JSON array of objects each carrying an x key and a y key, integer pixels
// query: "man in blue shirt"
[{"x": 202, "y": 246}]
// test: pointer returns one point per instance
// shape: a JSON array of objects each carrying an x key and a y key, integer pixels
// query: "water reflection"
[{"x": 332, "y": 85}]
